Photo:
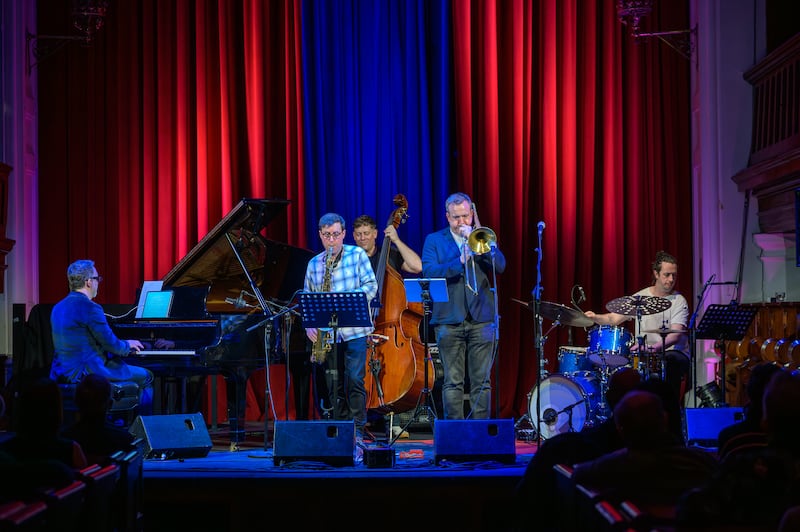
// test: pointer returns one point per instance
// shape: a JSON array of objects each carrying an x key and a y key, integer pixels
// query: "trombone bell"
[{"x": 481, "y": 239}]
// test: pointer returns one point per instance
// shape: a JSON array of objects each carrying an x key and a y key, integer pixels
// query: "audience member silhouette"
[
  {"x": 754, "y": 488},
  {"x": 654, "y": 467},
  {"x": 38, "y": 416},
  {"x": 93, "y": 430},
  {"x": 749, "y": 432},
  {"x": 536, "y": 491},
  {"x": 31, "y": 477},
  {"x": 670, "y": 402}
]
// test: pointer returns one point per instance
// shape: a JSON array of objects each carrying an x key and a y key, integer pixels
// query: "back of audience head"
[
  {"x": 781, "y": 406},
  {"x": 669, "y": 401},
  {"x": 621, "y": 382},
  {"x": 756, "y": 384},
  {"x": 641, "y": 419},
  {"x": 39, "y": 409},
  {"x": 93, "y": 397}
]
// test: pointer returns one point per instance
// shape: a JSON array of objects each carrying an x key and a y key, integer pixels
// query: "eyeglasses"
[
  {"x": 98, "y": 278},
  {"x": 331, "y": 236}
]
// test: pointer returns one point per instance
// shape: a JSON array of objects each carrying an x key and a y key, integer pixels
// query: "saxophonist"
[{"x": 337, "y": 269}]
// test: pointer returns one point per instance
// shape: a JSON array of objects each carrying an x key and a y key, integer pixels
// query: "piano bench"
[{"x": 124, "y": 396}]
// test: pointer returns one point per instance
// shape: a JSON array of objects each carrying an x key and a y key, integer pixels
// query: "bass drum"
[{"x": 564, "y": 403}]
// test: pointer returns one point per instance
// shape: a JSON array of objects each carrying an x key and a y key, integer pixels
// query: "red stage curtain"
[{"x": 561, "y": 117}]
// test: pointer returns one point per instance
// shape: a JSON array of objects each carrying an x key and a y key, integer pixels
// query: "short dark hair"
[
  {"x": 662, "y": 257},
  {"x": 365, "y": 219}
]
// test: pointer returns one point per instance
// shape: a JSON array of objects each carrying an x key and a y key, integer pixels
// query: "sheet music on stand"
[
  {"x": 335, "y": 309},
  {"x": 725, "y": 322}
]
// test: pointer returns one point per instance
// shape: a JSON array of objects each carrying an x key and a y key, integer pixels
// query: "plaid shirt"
[{"x": 352, "y": 272}]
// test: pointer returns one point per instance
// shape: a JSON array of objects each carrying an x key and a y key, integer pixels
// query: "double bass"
[{"x": 395, "y": 352}]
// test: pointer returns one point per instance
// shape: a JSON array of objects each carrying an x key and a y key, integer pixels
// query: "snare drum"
[
  {"x": 609, "y": 345},
  {"x": 564, "y": 403},
  {"x": 573, "y": 360}
]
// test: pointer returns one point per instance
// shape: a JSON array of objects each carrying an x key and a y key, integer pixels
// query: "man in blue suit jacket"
[{"x": 465, "y": 326}]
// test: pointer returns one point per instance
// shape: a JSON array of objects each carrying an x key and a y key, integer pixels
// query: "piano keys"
[{"x": 165, "y": 353}]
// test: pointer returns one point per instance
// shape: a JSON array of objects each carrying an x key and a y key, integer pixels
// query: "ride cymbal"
[{"x": 638, "y": 305}]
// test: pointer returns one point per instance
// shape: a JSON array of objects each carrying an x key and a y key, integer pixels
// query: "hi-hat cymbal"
[
  {"x": 638, "y": 305},
  {"x": 665, "y": 331}
]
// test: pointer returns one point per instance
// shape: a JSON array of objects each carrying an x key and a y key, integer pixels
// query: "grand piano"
[{"x": 224, "y": 326}]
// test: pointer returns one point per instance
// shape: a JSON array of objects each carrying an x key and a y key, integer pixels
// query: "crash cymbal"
[
  {"x": 564, "y": 315},
  {"x": 636, "y": 305},
  {"x": 666, "y": 331}
]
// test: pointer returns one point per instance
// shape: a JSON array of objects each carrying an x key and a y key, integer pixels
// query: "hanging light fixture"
[
  {"x": 88, "y": 17},
  {"x": 631, "y": 13}
]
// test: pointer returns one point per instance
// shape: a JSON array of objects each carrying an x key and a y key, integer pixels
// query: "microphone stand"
[
  {"x": 537, "y": 322},
  {"x": 265, "y": 309},
  {"x": 496, "y": 362},
  {"x": 693, "y": 340}
]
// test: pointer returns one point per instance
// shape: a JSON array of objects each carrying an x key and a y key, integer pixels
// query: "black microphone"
[
  {"x": 582, "y": 297},
  {"x": 710, "y": 279},
  {"x": 549, "y": 416},
  {"x": 541, "y": 226}
]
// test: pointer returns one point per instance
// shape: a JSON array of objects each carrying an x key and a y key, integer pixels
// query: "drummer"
[{"x": 660, "y": 329}]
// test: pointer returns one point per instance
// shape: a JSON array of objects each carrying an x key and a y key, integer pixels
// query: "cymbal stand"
[{"x": 644, "y": 355}]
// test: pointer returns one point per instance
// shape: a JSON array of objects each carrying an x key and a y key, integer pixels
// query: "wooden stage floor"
[{"x": 240, "y": 486}]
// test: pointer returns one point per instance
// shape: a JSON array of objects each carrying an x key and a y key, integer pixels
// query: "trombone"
[{"x": 481, "y": 240}]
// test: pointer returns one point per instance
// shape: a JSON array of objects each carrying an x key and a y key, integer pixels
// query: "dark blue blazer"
[{"x": 441, "y": 257}]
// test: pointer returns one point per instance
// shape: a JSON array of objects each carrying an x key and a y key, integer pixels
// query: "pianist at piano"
[{"x": 84, "y": 342}]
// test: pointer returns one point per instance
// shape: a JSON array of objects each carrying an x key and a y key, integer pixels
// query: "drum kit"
[{"x": 574, "y": 397}]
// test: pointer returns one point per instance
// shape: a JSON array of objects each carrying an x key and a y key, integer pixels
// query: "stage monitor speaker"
[
  {"x": 330, "y": 442},
  {"x": 702, "y": 425},
  {"x": 173, "y": 435},
  {"x": 474, "y": 440}
]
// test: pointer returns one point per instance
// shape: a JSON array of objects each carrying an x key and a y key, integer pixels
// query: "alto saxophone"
[{"x": 324, "y": 342}]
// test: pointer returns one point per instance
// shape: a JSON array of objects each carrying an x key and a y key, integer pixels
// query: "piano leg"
[{"x": 236, "y": 387}]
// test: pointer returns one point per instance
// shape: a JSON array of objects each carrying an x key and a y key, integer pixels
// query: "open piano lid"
[{"x": 277, "y": 268}]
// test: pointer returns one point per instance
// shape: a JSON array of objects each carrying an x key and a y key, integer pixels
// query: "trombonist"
[{"x": 465, "y": 325}]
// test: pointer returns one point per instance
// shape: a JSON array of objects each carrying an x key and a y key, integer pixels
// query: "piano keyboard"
[{"x": 165, "y": 353}]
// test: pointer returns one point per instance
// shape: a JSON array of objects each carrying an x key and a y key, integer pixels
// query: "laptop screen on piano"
[{"x": 157, "y": 304}]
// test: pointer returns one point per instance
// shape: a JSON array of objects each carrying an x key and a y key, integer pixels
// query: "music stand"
[
  {"x": 725, "y": 322},
  {"x": 333, "y": 310},
  {"x": 425, "y": 291}
]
